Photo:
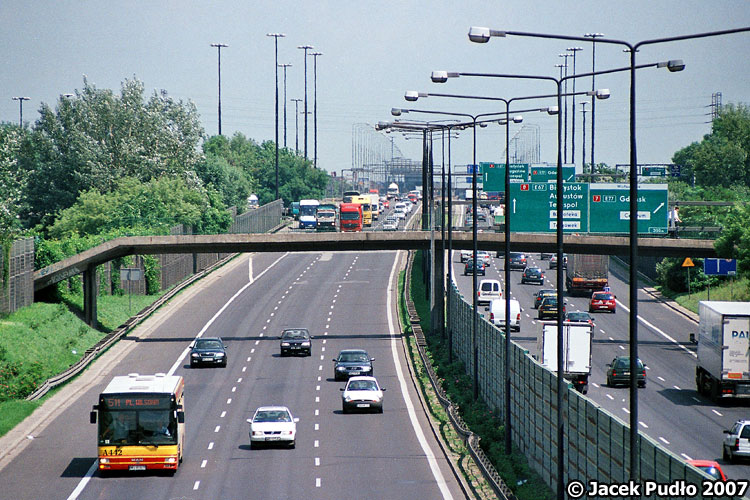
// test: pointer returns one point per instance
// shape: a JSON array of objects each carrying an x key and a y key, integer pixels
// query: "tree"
[
  {"x": 92, "y": 140},
  {"x": 722, "y": 158},
  {"x": 12, "y": 178},
  {"x": 734, "y": 240}
]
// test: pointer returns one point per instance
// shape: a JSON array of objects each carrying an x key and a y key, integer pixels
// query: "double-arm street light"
[
  {"x": 442, "y": 77},
  {"x": 573, "y": 107},
  {"x": 276, "y": 37},
  {"x": 219, "y": 46},
  {"x": 482, "y": 35},
  {"x": 413, "y": 96}
]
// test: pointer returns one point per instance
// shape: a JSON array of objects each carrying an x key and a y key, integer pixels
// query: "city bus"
[
  {"x": 365, "y": 201},
  {"x": 307, "y": 210},
  {"x": 141, "y": 423}
]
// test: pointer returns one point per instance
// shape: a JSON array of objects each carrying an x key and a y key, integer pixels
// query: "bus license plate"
[{"x": 137, "y": 467}]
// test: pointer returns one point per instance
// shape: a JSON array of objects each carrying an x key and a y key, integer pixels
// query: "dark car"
[
  {"x": 618, "y": 372},
  {"x": 516, "y": 260},
  {"x": 352, "y": 363},
  {"x": 548, "y": 308},
  {"x": 532, "y": 275},
  {"x": 295, "y": 341},
  {"x": 545, "y": 255},
  {"x": 580, "y": 317},
  {"x": 472, "y": 267},
  {"x": 553, "y": 261},
  {"x": 208, "y": 351},
  {"x": 540, "y": 295}
]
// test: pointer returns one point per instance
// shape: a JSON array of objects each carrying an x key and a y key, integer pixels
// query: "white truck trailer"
[
  {"x": 723, "y": 349},
  {"x": 576, "y": 351}
]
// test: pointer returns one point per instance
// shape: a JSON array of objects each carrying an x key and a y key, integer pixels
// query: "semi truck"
[
  {"x": 576, "y": 351},
  {"x": 723, "y": 367},
  {"x": 325, "y": 216},
  {"x": 350, "y": 217},
  {"x": 586, "y": 274}
]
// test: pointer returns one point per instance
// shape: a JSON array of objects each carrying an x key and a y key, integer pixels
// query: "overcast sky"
[{"x": 372, "y": 53}]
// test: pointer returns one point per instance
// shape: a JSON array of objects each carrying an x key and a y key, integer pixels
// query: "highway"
[
  {"x": 670, "y": 409},
  {"x": 344, "y": 300}
]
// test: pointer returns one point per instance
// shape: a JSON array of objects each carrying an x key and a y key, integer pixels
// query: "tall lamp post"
[
  {"x": 296, "y": 125},
  {"x": 583, "y": 142},
  {"x": 315, "y": 106},
  {"x": 276, "y": 37},
  {"x": 441, "y": 77},
  {"x": 305, "y": 48},
  {"x": 219, "y": 46},
  {"x": 483, "y": 35},
  {"x": 413, "y": 96},
  {"x": 285, "y": 66},
  {"x": 573, "y": 107},
  {"x": 565, "y": 109},
  {"x": 20, "y": 108},
  {"x": 593, "y": 37}
]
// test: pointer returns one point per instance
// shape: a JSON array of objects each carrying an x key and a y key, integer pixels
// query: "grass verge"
[
  {"x": 732, "y": 290},
  {"x": 43, "y": 340},
  {"x": 513, "y": 468}
]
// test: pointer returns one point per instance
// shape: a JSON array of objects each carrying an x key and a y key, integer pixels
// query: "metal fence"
[
  {"x": 596, "y": 443},
  {"x": 17, "y": 276}
]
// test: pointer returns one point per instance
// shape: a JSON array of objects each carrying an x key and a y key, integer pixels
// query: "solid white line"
[
  {"x": 657, "y": 330},
  {"x": 436, "y": 472},
  {"x": 221, "y": 310},
  {"x": 84, "y": 481}
]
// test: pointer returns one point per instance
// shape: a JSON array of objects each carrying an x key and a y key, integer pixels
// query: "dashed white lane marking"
[
  {"x": 211, "y": 445},
  {"x": 261, "y": 333},
  {"x": 660, "y": 332},
  {"x": 717, "y": 413},
  {"x": 223, "y": 414},
  {"x": 196, "y": 485},
  {"x": 317, "y": 399},
  {"x": 316, "y": 444},
  {"x": 319, "y": 378},
  {"x": 244, "y": 369},
  {"x": 203, "y": 464},
  {"x": 234, "y": 389},
  {"x": 663, "y": 440},
  {"x": 251, "y": 351},
  {"x": 321, "y": 357},
  {"x": 324, "y": 341},
  {"x": 239, "y": 380},
  {"x": 257, "y": 342},
  {"x": 229, "y": 401},
  {"x": 320, "y": 368},
  {"x": 685, "y": 456},
  {"x": 626, "y": 411},
  {"x": 218, "y": 427},
  {"x": 677, "y": 387},
  {"x": 643, "y": 425},
  {"x": 317, "y": 387},
  {"x": 317, "y": 482},
  {"x": 317, "y": 461},
  {"x": 661, "y": 379},
  {"x": 317, "y": 412},
  {"x": 696, "y": 399},
  {"x": 610, "y": 397},
  {"x": 317, "y": 427}
]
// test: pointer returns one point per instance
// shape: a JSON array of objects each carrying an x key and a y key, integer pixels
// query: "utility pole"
[
  {"x": 218, "y": 47},
  {"x": 296, "y": 124},
  {"x": 583, "y": 154},
  {"x": 20, "y": 108},
  {"x": 305, "y": 48},
  {"x": 285, "y": 66},
  {"x": 315, "y": 107},
  {"x": 276, "y": 37}
]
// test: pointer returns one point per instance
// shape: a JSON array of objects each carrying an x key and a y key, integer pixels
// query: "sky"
[{"x": 372, "y": 52}]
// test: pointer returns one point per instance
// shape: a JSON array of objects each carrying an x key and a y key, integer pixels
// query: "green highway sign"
[
  {"x": 654, "y": 171},
  {"x": 493, "y": 174},
  {"x": 587, "y": 208},
  {"x": 609, "y": 208},
  {"x": 548, "y": 173},
  {"x": 534, "y": 207}
]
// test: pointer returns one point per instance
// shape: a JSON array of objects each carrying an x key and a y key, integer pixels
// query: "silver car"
[{"x": 737, "y": 441}]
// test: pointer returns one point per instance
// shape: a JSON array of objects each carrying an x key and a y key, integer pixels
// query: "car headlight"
[
  {"x": 341, "y": 368},
  {"x": 257, "y": 433},
  {"x": 170, "y": 460},
  {"x": 195, "y": 355},
  {"x": 347, "y": 398},
  {"x": 305, "y": 344},
  {"x": 219, "y": 354},
  {"x": 103, "y": 460},
  {"x": 366, "y": 368},
  {"x": 285, "y": 344}
]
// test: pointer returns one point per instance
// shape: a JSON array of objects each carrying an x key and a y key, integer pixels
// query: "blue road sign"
[{"x": 720, "y": 267}]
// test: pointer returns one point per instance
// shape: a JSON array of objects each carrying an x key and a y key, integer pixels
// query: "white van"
[
  {"x": 497, "y": 313},
  {"x": 488, "y": 291}
]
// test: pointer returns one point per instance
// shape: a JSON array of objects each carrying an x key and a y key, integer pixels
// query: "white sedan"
[
  {"x": 362, "y": 393},
  {"x": 273, "y": 424},
  {"x": 390, "y": 226}
]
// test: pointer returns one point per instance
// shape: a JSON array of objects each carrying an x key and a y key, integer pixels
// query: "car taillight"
[
  {"x": 518, "y": 318},
  {"x": 492, "y": 316},
  {"x": 614, "y": 373},
  {"x": 737, "y": 444}
]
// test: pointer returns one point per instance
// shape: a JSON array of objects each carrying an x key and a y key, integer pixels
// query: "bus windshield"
[
  {"x": 307, "y": 209},
  {"x": 137, "y": 427}
]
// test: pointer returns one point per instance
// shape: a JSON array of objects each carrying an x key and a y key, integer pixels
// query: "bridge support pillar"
[{"x": 90, "y": 291}]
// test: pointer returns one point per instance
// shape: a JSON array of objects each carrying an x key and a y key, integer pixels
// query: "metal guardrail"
[{"x": 484, "y": 464}]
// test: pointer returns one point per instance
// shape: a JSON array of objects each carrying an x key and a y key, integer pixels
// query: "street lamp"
[
  {"x": 219, "y": 46},
  {"x": 315, "y": 106},
  {"x": 20, "y": 108},
  {"x": 285, "y": 66},
  {"x": 296, "y": 125},
  {"x": 565, "y": 109},
  {"x": 583, "y": 142},
  {"x": 483, "y": 35},
  {"x": 305, "y": 48},
  {"x": 276, "y": 37},
  {"x": 593, "y": 37},
  {"x": 573, "y": 126}
]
